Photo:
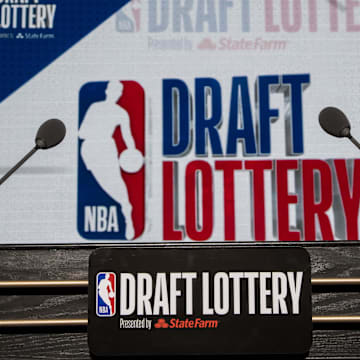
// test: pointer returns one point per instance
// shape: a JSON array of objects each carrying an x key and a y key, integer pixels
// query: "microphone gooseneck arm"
[
  {"x": 354, "y": 141},
  {"x": 21, "y": 162}
]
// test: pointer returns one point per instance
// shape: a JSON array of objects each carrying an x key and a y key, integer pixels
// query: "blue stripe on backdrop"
[{"x": 22, "y": 58}]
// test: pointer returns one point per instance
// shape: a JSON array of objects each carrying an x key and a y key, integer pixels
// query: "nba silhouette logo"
[
  {"x": 111, "y": 153},
  {"x": 105, "y": 294},
  {"x": 128, "y": 18}
]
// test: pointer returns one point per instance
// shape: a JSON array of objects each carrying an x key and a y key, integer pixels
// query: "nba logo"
[
  {"x": 111, "y": 153},
  {"x": 128, "y": 19},
  {"x": 105, "y": 294}
]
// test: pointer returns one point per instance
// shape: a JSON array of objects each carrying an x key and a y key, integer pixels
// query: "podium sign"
[{"x": 199, "y": 300}]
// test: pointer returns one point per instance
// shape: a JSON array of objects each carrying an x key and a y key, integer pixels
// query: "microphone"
[
  {"x": 335, "y": 123},
  {"x": 50, "y": 134}
]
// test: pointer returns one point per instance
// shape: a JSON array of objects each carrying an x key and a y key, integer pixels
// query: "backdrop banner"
[{"x": 187, "y": 121}]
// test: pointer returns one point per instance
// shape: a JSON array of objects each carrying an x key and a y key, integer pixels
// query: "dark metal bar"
[
  {"x": 43, "y": 323},
  {"x": 43, "y": 284},
  {"x": 85, "y": 283},
  {"x": 354, "y": 319}
]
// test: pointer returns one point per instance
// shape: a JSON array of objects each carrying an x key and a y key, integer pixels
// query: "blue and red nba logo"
[
  {"x": 128, "y": 18},
  {"x": 111, "y": 153},
  {"x": 105, "y": 294}
]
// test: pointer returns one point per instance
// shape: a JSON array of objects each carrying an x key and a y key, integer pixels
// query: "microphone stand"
[
  {"x": 21, "y": 162},
  {"x": 354, "y": 141},
  {"x": 50, "y": 134}
]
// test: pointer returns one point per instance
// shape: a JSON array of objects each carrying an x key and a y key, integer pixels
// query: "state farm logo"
[
  {"x": 197, "y": 323},
  {"x": 161, "y": 324}
]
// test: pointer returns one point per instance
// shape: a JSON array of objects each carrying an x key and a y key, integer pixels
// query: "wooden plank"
[{"x": 329, "y": 344}]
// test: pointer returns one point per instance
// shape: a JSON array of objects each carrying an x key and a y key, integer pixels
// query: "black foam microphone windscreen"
[
  {"x": 334, "y": 122},
  {"x": 50, "y": 134}
]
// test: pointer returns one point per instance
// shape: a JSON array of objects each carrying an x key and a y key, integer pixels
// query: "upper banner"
[{"x": 187, "y": 120}]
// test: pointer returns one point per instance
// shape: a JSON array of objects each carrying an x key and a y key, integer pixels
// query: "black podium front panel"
[{"x": 207, "y": 300}]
